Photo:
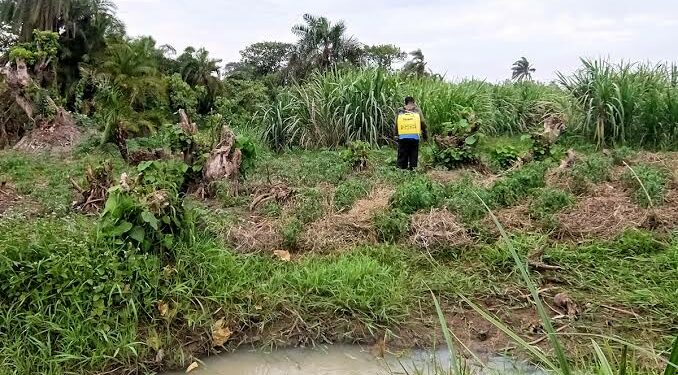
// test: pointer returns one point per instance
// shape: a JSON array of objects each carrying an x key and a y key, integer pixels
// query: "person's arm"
[
  {"x": 424, "y": 129},
  {"x": 395, "y": 126}
]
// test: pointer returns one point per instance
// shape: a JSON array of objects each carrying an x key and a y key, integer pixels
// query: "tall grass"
[
  {"x": 563, "y": 365},
  {"x": 334, "y": 108},
  {"x": 625, "y": 103}
]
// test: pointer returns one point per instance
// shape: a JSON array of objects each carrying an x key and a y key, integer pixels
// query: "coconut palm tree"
[
  {"x": 522, "y": 70},
  {"x": 322, "y": 44}
]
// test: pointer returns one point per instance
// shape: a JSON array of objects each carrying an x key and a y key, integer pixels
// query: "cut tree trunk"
[
  {"x": 224, "y": 161},
  {"x": 53, "y": 133}
]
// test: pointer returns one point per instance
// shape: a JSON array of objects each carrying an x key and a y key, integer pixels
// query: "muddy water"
[{"x": 346, "y": 360}]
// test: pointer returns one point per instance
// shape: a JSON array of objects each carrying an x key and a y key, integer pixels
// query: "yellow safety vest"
[{"x": 409, "y": 123}]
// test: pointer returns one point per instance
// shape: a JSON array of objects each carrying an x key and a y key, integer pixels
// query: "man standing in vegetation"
[{"x": 410, "y": 127}]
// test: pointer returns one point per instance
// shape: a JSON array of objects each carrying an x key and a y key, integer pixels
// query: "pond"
[{"x": 348, "y": 360}]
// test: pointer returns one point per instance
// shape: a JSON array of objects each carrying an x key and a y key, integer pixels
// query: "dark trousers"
[{"x": 408, "y": 153}]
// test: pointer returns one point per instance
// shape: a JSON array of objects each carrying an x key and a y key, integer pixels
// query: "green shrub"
[
  {"x": 291, "y": 232},
  {"x": 461, "y": 198},
  {"x": 357, "y": 155},
  {"x": 654, "y": 181},
  {"x": 146, "y": 211},
  {"x": 623, "y": 154},
  {"x": 391, "y": 225},
  {"x": 349, "y": 192},
  {"x": 548, "y": 201},
  {"x": 419, "y": 193},
  {"x": 596, "y": 168},
  {"x": 518, "y": 184},
  {"x": 505, "y": 155},
  {"x": 309, "y": 205}
]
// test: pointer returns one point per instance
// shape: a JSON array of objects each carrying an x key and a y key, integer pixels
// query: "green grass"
[
  {"x": 45, "y": 179},
  {"x": 391, "y": 225},
  {"x": 648, "y": 184},
  {"x": 348, "y": 192},
  {"x": 518, "y": 184},
  {"x": 417, "y": 193}
]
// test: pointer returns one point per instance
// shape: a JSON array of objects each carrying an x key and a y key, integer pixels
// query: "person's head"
[{"x": 409, "y": 102}]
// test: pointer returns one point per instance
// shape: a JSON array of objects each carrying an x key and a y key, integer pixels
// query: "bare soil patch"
[
  {"x": 8, "y": 197},
  {"x": 58, "y": 136}
]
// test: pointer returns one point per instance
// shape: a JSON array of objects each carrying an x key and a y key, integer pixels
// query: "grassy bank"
[{"x": 74, "y": 303}]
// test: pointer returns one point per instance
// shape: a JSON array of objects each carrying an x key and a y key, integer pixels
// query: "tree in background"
[
  {"x": 417, "y": 65},
  {"x": 383, "y": 56},
  {"x": 267, "y": 57},
  {"x": 522, "y": 70},
  {"x": 198, "y": 69},
  {"x": 321, "y": 45}
]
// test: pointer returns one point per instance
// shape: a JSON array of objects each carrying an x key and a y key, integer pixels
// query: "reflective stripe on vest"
[{"x": 409, "y": 123}]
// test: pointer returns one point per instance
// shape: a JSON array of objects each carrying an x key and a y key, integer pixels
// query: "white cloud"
[{"x": 460, "y": 37}]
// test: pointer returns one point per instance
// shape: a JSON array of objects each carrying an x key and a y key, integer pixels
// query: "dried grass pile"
[
  {"x": 604, "y": 215},
  {"x": 513, "y": 219},
  {"x": 346, "y": 230},
  {"x": 58, "y": 135},
  {"x": 665, "y": 217},
  {"x": 437, "y": 230},
  {"x": 257, "y": 233}
]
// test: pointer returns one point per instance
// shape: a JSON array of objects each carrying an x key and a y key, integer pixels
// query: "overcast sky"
[{"x": 460, "y": 38}]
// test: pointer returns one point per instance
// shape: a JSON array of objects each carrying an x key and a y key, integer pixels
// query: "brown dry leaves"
[
  {"x": 283, "y": 255},
  {"x": 220, "y": 333}
]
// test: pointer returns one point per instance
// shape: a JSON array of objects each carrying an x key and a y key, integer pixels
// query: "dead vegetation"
[
  {"x": 604, "y": 215},
  {"x": 513, "y": 219},
  {"x": 256, "y": 233},
  {"x": 92, "y": 196},
  {"x": 342, "y": 231},
  {"x": 279, "y": 193},
  {"x": 437, "y": 230}
]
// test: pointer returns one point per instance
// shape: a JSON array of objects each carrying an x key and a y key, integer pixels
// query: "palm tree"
[
  {"x": 322, "y": 44},
  {"x": 133, "y": 68},
  {"x": 198, "y": 69},
  {"x": 416, "y": 66},
  {"x": 29, "y": 15},
  {"x": 522, "y": 70}
]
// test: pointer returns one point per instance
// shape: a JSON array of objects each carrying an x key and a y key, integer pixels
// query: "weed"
[
  {"x": 548, "y": 201},
  {"x": 391, "y": 225},
  {"x": 348, "y": 192},
  {"x": 505, "y": 155},
  {"x": 460, "y": 198},
  {"x": 518, "y": 184},
  {"x": 652, "y": 185},
  {"x": 357, "y": 155},
  {"x": 419, "y": 193},
  {"x": 621, "y": 155},
  {"x": 309, "y": 205},
  {"x": 227, "y": 194},
  {"x": 596, "y": 168},
  {"x": 271, "y": 209},
  {"x": 291, "y": 231}
]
